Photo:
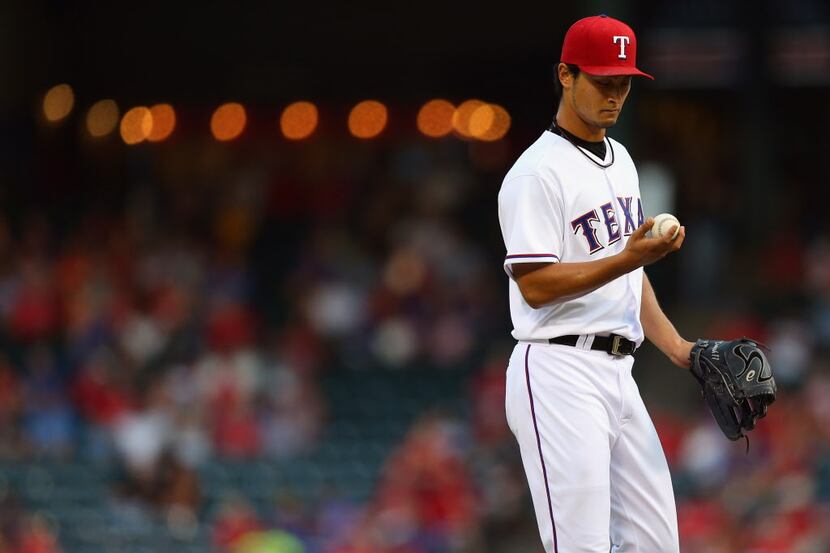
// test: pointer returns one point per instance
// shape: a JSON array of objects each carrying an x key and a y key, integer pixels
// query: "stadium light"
[
  {"x": 102, "y": 118},
  {"x": 164, "y": 122},
  {"x": 367, "y": 119},
  {"x": 228, "y": 121},
  {"x": 435, "y": 118},
  {"x": 136, "y": 125},
  {"x": 299, "y": 120},
  {"x": 58, "y": 102}
]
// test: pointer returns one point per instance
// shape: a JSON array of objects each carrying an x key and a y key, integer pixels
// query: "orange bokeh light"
[
  {"x": 489, "y": 122},
  {"x": 136, "y": 125},
  {"x": 164, "y": 122},
  {"x": 299, "y": 120},
  {"x": 367, "y": 119},
  {"x": 58, "y": 102},
  {"x": 461, "y": 117},
  {"x": 102, "y": 118},
  {"x": 228, "y": 121},
  {"x": 435, "y": 118}
]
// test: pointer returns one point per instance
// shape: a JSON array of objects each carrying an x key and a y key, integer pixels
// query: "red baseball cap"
[{"x": 602, "y": 45}]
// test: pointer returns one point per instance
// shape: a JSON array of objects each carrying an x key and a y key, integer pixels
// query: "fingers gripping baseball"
[
  {"x": 645, "y": 250},
  {"x": 641, "y": 231},
  {"x": 678, "y": 240}
]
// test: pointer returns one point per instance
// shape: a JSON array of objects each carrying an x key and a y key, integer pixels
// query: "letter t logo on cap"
[{"x": 623, "y": 41}]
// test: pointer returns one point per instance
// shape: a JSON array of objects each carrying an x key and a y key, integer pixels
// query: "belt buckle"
[{"x": 616, "y": 342}]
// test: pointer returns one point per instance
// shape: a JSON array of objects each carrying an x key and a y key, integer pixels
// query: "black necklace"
[{"x": 554, "y": 128}]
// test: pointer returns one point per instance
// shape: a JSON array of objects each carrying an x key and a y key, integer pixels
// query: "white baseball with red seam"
[{"x": 663, "y": 224}]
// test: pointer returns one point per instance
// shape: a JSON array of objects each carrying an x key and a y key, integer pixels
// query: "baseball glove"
[{"x": 736, "y": 382}]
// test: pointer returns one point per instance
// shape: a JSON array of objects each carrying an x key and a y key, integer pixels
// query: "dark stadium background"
[{"x": 266, "y": 345}]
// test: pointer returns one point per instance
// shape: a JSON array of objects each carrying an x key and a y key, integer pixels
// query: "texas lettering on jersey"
[{"x": 588, "y": 222}]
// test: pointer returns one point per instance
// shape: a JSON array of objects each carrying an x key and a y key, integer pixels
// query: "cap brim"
[{"x": 612, "y": 70}]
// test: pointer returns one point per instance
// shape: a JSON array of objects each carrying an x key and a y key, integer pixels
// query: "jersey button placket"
[
  {"x": 622, "y": 242},
  {"x": 614, "y": 204}
]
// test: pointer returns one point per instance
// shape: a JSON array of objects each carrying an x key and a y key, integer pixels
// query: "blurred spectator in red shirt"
[
  {"x": 236, "y": 431},
  {"x": 37, "y": 537},
  {"x": 235, "y": 519},
  {"x": 34, "y": 310},
  {"x": 488, "y": 389}
]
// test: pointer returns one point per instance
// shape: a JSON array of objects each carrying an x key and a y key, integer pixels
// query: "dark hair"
[{"x": 557, "y": 85}]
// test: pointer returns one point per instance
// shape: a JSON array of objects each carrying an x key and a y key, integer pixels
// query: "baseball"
[{"x": 663, "y": 223}]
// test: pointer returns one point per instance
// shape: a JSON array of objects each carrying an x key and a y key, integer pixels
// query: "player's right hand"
[{"x": 643, "y": 250}]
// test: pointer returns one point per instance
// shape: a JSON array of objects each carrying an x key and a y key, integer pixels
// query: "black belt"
[{"x": 614, "y": 344}]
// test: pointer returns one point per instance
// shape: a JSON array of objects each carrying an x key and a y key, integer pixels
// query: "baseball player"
[{"x": 574, "y": 229}]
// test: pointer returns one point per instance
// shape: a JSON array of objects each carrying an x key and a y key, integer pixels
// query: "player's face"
[{"x": 598, "y": 100}]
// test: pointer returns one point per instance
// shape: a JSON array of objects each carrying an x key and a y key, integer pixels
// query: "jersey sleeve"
[{"x": 531, "y": 218}]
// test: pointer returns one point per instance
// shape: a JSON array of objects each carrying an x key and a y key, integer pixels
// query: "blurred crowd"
[
  {"x": 24, "y": 532},
  {"x": 457, "y": 485},
  {"x": 192, "y": 321}
]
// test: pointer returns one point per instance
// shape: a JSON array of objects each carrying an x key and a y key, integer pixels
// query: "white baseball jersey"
[
  {"x": 597, "y": 474},
  {"x": 557, "y": 205}
]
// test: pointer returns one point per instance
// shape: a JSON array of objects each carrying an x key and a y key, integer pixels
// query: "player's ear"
[{"x": 564, "y": 75}]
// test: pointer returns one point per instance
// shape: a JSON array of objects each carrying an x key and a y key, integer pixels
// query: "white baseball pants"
[{"x": 595, "y": 467}]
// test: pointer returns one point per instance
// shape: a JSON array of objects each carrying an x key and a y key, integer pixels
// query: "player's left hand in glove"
[{"x": 736, "y": 381}]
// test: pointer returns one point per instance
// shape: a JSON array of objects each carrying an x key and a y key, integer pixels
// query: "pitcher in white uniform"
[{"x": 575, "y": 234}]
